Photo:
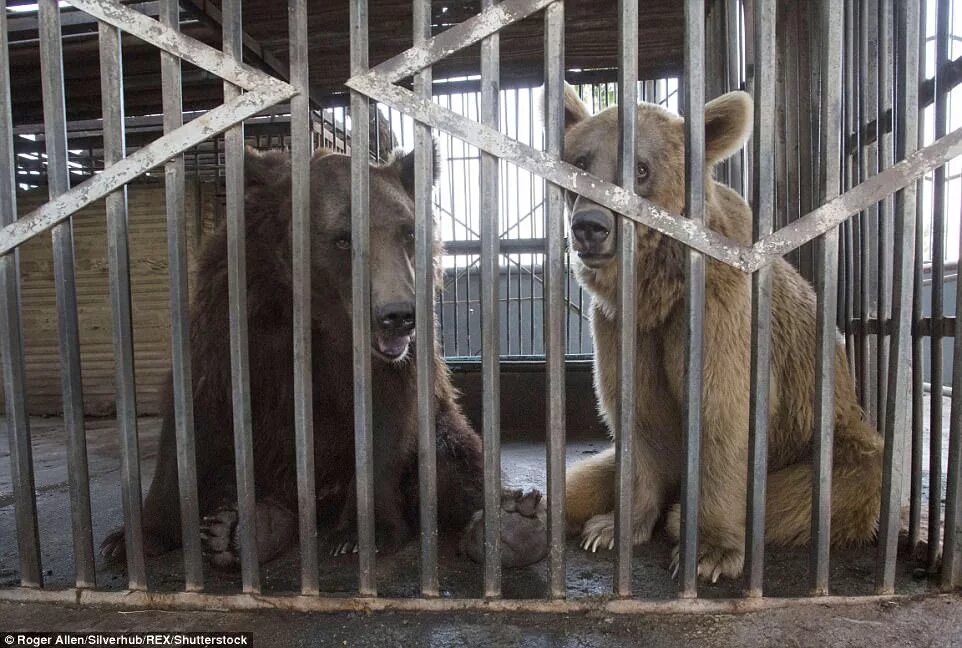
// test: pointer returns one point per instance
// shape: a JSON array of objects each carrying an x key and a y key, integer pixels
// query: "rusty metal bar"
[
  {"x": 361, "y": 304},
  {"x": 896, "y": 417},
  {"x": 118, "y": 258},
  {"x": 490, "y": 331},
  {"x": 826, "y": 280},
  {"x": 424, "y": 290},
  {"x": 16, "y": 420},
  {"x": 763, "y": 198},
  {"x": 301, "y": 286},
  {"x": 174, "y": 176},
  {"x": 556, "y": 279},
  {"x": 627, "y": 295},
  {"x": 694, "y": 102},
  {"x": 237, "y": 287},
  {"x": 58, "y": 179}
]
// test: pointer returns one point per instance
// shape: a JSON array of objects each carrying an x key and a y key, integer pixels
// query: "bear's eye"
[
  {"x": 409, "y": 234},
  {"x": 642, "y": 171},
  {"x": 343, "y": 243},
  {"x": 582, "y": 163}
]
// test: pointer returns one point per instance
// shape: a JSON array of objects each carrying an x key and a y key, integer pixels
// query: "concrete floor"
[{"x": 587, "y": 575}]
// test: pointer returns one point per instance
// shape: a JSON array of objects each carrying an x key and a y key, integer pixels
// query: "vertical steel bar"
[
  {"x": 694, "y": 101},
  {"x": 896, "y": 417},
  {"x": 174, "y": 180},
  {"x": 118, "y": 258},
  {"x": 886, "y": 237},
  {"x": 938, "y": 281},
  {"x": 851, "y": 170},
  {"x": 868, "y": 217},
  {"x": 627, "y": 293},
  {"x": 734, "y": 51},
  {"x": 490, "y": 329},
  {"x": 763, "y": 194},
  {"x": 424, "y": 318},
  {"x": 554, "y": 299},
  {"x": 301, "y": 286},
  {"x": 831, "y": 19},
  {"x": 237, "y": 288},
  {"x": 951, "y": 575},
  {"x": 58, "y": 179},
  {"x": 11, "y": 354},
  {"x": 918, "y": 374},
  {"x": 361, "y": 304}
]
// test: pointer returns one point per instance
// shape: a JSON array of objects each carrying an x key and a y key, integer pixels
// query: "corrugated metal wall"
[{"x": 149, "y": 286}]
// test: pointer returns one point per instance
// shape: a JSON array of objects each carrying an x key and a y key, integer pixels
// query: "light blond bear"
[{"x": 591, "y": 143}]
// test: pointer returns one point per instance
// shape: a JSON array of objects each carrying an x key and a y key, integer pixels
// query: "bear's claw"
[{"x": 524, "y": 537}]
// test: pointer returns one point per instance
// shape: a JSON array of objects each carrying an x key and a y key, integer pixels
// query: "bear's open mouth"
[{"x": 392, "y": 348}]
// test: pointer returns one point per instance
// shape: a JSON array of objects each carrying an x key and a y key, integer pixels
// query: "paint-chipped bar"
[
  {"x": 694, "y": 107},
  {"x": 58, "y": 179},
  {"x": 763, "y": 201},
  {"x": 179, "y": 323},
  {"x": 627, "y": 295},
  {"x": 490, "y": 317},
  {"x": 896, "y": 419},
  {"x": 301, "y": 286},
  {"x": 555, "y": 284},
  {"x": 237, "y": 289},
  {"x": 361, "y": 305},
  {"x": 938, "y": 279},
  {"x": 118, "y": 260},
  {"x": 11, "y": 352},
  {"x": 424, "y": 291},
  {"x": 826, "y": 283}
]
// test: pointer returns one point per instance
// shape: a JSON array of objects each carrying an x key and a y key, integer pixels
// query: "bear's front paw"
[
  {"x": 599, "y": 531},
  {"x": 713, "y": 561},
  {"x": 218, "y": 538},
  {"x": 524, "y": 536}
]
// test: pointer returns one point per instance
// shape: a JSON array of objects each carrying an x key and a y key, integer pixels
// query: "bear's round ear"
[
  {"x": 728, "y": 125},
  {"x": 264, "y": 168},
  {"x": 575, "y": 109},
  {"x": 404, "y": 166}
]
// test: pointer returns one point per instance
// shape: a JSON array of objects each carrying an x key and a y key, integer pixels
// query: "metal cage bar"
[
  {"x": 938, "y": 278},
  {"x": 118, "y": 257},
  {"x": 174, "y": 187},
  {"x": 11, "y": 354},
  {"x": 830, "y": 28},
  {"x": 556, "y": 279},
  {"x": 424, "y": 291},
  {"x": 763, "y": 198},
  {"x": 301, "y": 286},
  {"x": 627, "y": 295},
  {"x": 237, "y": 288},
  {"x": 361, "y": 304},
  {"x": 490, "y": 331},
  {"x": 896, "y": 417},
  {"x": 58, "y": 179},
  {"x": 694, "y": 102}
]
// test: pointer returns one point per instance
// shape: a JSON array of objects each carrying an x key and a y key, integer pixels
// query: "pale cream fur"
[{"x": 659, "y": 406}]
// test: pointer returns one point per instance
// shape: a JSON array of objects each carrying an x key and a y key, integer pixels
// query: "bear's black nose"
[
  {"x": 590, "y": 228},
  {"x": 396, "y": 318}
]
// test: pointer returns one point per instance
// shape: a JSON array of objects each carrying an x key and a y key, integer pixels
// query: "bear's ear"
[
  {"x": 728, "y": 125},
  {"x": 575, "y": 110},
  {"x": 264, "y": 168},
  {"x": 404, "y": 166}
]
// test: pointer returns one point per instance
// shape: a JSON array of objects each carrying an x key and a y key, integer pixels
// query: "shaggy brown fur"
[
  {"x": 658, "y": 457},
  {"x": 268, "y": 213}
]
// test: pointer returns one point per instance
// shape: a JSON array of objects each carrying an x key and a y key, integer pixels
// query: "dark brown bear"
[{"x": 459, "y": 459}]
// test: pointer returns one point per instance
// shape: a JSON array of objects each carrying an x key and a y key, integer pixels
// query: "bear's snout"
[{"x": 591, "y": 230}]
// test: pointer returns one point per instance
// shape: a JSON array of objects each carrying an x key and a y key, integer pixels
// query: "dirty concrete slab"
[{"x": 931, "y": 622}]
